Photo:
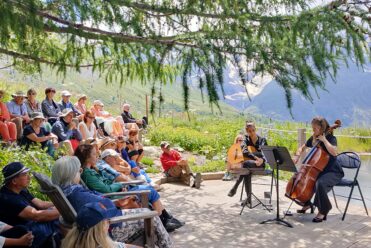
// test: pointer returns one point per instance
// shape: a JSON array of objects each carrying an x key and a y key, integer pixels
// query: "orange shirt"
[{"x": 4, "y": 113}]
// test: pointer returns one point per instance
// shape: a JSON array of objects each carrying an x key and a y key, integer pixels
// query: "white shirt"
[{"x": 89, "y": 132}]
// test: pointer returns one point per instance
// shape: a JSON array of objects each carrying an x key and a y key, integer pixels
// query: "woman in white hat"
[{"x": 35, "y": 133}]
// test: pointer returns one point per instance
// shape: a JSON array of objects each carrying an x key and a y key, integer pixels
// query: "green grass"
[{"x": 147, "y": 161}]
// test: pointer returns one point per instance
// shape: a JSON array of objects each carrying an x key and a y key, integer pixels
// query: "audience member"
[
  {"x": 175, "y": 166},
  {"x": 66, "y": 103},
  {"x": 110, "y": 125},
  {"x": 133, "y": 147},
  {"x": 91, "y": 228},
  {"x": 19, "y": 207},
  {"x": 8, "y": 129},
  {"x": 49, "y": 107},
  {"x": 18, "y": 112},
  {"x": 34, "y": 106},
  {"x": 80, "y": 104},
  {"x": 97, "y": 181},
  {"x": 66, "y": 131},
  {"x": 129, "y": 119},
  {"x": 87, "y": 127},
  {"x": 36, "y": 133},
  {"x": 66, "y": 174}
]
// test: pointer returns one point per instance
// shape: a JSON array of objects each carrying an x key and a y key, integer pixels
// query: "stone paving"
[{"x": 213, "y": 220}]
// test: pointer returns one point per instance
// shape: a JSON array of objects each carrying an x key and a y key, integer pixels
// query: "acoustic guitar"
[{"x": 235, "y": 155}]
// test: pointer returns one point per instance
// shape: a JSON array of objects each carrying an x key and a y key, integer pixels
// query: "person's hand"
[
  {"x": 321, "y": 138},
  {"x": 259, "y": 161},
  {"x": 26, "y": 240},
  {"x": 26, "y": 118},
  {"x": 72, "y": 125},
  {"x": 139, "y": 122}
]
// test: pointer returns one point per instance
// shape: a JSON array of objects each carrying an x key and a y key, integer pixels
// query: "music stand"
[{"x": 278, "y": 157}]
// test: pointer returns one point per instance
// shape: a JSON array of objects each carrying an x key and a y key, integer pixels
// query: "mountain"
[{"x": 347, "y": 99}]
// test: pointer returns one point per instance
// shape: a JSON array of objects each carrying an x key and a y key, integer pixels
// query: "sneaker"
[
  {"x": 192, "y": 182},
  {"x": 182, "y": 223},
  {"x": 171, "y": 225},
  {"x": 232, "y": 192},
  {"x": 198, "y": 179},
  {"x": 225, "y": 176}
]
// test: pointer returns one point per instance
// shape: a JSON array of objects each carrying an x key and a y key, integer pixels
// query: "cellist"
[
  {"x": 330, "y": 176},
  {"x": 251, "y": 148}
]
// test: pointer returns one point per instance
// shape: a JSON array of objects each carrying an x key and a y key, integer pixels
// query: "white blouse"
[{"x": 88, "y": 131}]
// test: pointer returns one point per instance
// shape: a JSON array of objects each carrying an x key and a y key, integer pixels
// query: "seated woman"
[
  {"x": 49, "y": 107},
  {"x": 33, "y": 106},
  {"x": 35, "y": 133},
  {"x": 80, "y": 104},
  {"x": 66, "y": 174},
  {"x": 136, "y": 172},
  {"x": 236, "y": 157},
  {"x": 91, "y": 228},
  {"x": 8, "y": 129},
  {"x": 111, "y": 125},
  {"x": 87, "y": 127},
  {"x": 251, "y": 150},
  {"x": 106, "y": 183},
  {"x": 133, "y": 147}
]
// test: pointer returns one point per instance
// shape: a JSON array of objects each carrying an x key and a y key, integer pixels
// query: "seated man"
[
  {"x": 18, "y": 112},
  {"x": 65, "y": 103},
  {"x": 19, "y": 207},
  {"x": 173, "y": 165},
  {"x": 128, "y": 118},
  {"x": 66, "y": 131},
  {"x": 14, "y": 236}
]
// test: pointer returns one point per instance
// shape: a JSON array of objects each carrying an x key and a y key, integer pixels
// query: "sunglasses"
[{"x": 32, "y": 94}]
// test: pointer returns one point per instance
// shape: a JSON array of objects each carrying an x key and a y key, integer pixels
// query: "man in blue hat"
[{"x": 19, "y": 207}]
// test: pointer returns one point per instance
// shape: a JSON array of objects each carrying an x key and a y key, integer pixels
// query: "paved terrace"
[{"x": 213, "y": 220}]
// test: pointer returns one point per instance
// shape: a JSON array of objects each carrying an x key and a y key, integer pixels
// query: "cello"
[{"x": 300, "y": 188}]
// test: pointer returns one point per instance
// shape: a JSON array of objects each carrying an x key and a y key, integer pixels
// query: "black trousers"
[
  {"x": 247, "y": 178},
  {"x": 324, "y": 184},
  {"x": 15, "y": 233}
]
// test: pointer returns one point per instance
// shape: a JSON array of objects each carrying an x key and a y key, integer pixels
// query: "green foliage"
[
  {"x": 35, "y": 159},
  {"x": 153, "y": 170},
  {"x": 209, "y": 166},
  {"x": 147, "y": 161},
  {"x": 157, "y": 41}
]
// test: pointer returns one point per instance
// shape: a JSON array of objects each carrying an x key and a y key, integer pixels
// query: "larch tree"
[{"x": 299, "y": 43}]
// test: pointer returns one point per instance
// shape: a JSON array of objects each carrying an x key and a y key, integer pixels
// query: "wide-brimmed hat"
[
  {"x": 109, "y": 152},
  {"x": 19, "y": 93},
  {"x": 12, "y": 170},
  {"x": 105, "y": 141},
  {"x": 164, "y": 144},
  {"x": 37, "y": 115},
  {"x": 80, "y": 96},
  {"x": 66, "y": 93},
  {"x": 92, "y": 213},
  {"x": 66, "y": 111}
]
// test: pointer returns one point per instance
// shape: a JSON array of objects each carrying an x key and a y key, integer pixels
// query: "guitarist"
[{"x": 253, "y": 157}]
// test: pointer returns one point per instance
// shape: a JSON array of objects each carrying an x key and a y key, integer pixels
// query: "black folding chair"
[{"x": 349, "y": 160}]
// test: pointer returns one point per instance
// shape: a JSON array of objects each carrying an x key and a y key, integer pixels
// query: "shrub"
[{"x": 35, "y": 159}]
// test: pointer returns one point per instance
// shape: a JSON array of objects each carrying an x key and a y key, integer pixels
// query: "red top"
[
  {"x": 170, "y": 160},
  {"x": 4, "y": 113}
]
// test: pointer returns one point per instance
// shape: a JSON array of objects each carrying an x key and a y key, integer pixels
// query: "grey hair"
[{"x": 65, "y": 169}]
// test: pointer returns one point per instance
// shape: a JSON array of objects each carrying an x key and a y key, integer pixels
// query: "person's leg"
[
  {"x": 4, "y": 131},
  {"x": 323, "y": 185},
  {"x": 130, "y": 228},
  {"x": 140, "y": 154},
  {"x": 19, "y": 125},
  {"x": 50, "y": 148},
  {"x": 247, "y": 180},
  {"x": 233, "y": 191}
]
